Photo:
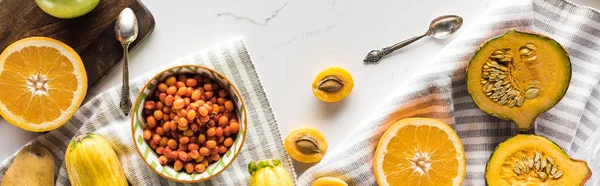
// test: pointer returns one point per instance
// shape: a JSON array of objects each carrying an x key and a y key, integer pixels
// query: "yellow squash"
[
  {"x": 90, "y": 161},
  {"x": 268, "y": 172}
]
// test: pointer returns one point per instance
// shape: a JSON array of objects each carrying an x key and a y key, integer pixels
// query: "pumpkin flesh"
[{"x": 500, "y": 170}]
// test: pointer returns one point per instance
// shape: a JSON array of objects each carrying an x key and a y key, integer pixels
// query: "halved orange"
[
  {"x": 42, "y": 83},
  {"x": 419, "y": 151}
]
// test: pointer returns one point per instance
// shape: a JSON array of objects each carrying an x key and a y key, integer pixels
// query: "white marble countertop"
[{"x": 290, "y": 42}]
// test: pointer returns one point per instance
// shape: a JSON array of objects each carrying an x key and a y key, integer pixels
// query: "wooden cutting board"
[{"x": 91, "y": 35}]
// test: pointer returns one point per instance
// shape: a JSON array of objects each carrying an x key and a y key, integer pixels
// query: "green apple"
[{"x": 67, "y": 9}]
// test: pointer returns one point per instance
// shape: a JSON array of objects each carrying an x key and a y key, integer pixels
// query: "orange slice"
[
  {"x": 42, "y": 83},
  {"x": 419, "y": 151}
]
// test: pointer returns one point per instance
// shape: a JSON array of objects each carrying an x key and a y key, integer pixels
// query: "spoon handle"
[
  {"x": 375, "y": 55},
  {"x": 125, "y": 101}
]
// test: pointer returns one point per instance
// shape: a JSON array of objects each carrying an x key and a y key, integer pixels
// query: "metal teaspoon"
[
  {"x": 440, "y": 28},
  {"x": 126, "y": 30}
]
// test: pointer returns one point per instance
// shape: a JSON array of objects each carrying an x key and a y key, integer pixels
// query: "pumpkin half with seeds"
[
  {"x": 534, "y": 160},
  {"x": 518, "y": 76}
]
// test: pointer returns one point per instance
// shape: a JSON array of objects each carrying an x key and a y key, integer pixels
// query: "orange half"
[
  {"x": 42, "y": 83},
  {"x": 419, "y": 151}
]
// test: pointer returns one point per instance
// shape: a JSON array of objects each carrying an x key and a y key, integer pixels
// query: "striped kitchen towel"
[
  {"x": 440, "y": 91},
  {"x": 103, "y": 116}
]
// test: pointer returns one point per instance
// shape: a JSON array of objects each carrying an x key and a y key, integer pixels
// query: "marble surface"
[{"x": 290, "y": 42}]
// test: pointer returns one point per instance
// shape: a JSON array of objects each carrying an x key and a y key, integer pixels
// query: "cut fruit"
[
  {"x": 534, "y": 160},
  {"x": 332, "y": 84},
  {"x": 306, "y": 144},
  {"x": 329, "y": 181},
  {"x": 519, "y": 76},
  {"x": 42, "y": 83},
  {"x": 419, "y": 151}
]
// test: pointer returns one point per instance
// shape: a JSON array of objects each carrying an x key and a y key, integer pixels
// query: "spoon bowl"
[
  {"x": 444, "y": 26},
  {"x": 126, "y": 26}
]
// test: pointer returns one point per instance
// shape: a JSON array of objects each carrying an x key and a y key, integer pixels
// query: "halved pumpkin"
[
  {"x": 534, "y": 160},
  {"x": 518, "y": 76}
]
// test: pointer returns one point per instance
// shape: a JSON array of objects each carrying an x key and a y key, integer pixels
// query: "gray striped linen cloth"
[
  {"x": 102, "y": 115},
  {"x": 440, "y": 91}
]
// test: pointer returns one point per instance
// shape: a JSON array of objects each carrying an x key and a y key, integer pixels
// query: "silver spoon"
[
  {"x": 126, "y": 30},
  {"x": 440, "y": 28}
]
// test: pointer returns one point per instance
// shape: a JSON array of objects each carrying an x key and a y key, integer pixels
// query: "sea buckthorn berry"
[
  {"x": 147, "y": 134},
  {"x": 184, "y": 140},
  {"x": 150, "y": 105},
  {"x": 200, "y": 168},
  {"x": 162, "y": 160},
  {"x": 179, "y": 84},
  {"x": 189, "y": 168},
  {"x": 170, "y": 81},
  {"x": 171, "y": 90},
  {"x": 178, "y": 165},
  {"x": 228, "y": 142},
  {"x": 191, "y": 82},
  {"x": 208, "y": 87},
  {"x": 229, "y": 105},
  {"x": 222, "y": 93},
  {"x": 204, "y": 151},
  {"x": 181, "y": 91},
  {"x": 211, "y": 144},
  {"x": 234, "y": 127}
]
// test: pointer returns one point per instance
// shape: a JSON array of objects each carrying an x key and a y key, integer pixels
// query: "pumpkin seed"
[
  {"x": 530, "y": 46},
  {"x": 520, "y": 101},
  {"x": 543, "y": 162},
  {"x": 525, "y": 51},
  {"x": 511, "y": 103},
  {"x": 498, "y": 84},
  {"x": 537, "y": 166},
  {"x": 530, "y": 58},
  {"x": 550, "y": 160},
  {"x": 537, "y": 156},
  {"x": 548, "y": 168},
  {"x": 504, "y": 98},
  {"x": 516, "y": 169},
  {"x": 506, "y": 60},
  {"x": 503, "y": 68},
  {"x": 526, "y": 170},
  {"x": 531, "y": 162},
  {"x": 557, "y": 174},
  {"x": 532, "y": 93},
  {"x": 543, "y": 176},
  {"x": 520, "y": 164},
  {"x": 484, "y": 82},
  {"x": 503, "y": 102},
  {"x": 498, "y": 52},
  {"x": 553, "y": 170}
]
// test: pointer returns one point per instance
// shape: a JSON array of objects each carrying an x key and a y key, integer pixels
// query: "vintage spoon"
[
  {"x": 126, "y": 30},
  {"x": 440, "y": 28}
]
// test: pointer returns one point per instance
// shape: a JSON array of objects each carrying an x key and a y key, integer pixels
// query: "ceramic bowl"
[{"x": 150, "y": 157}]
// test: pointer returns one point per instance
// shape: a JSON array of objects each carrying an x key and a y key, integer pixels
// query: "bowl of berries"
[{"x": 189, "y": 123}]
